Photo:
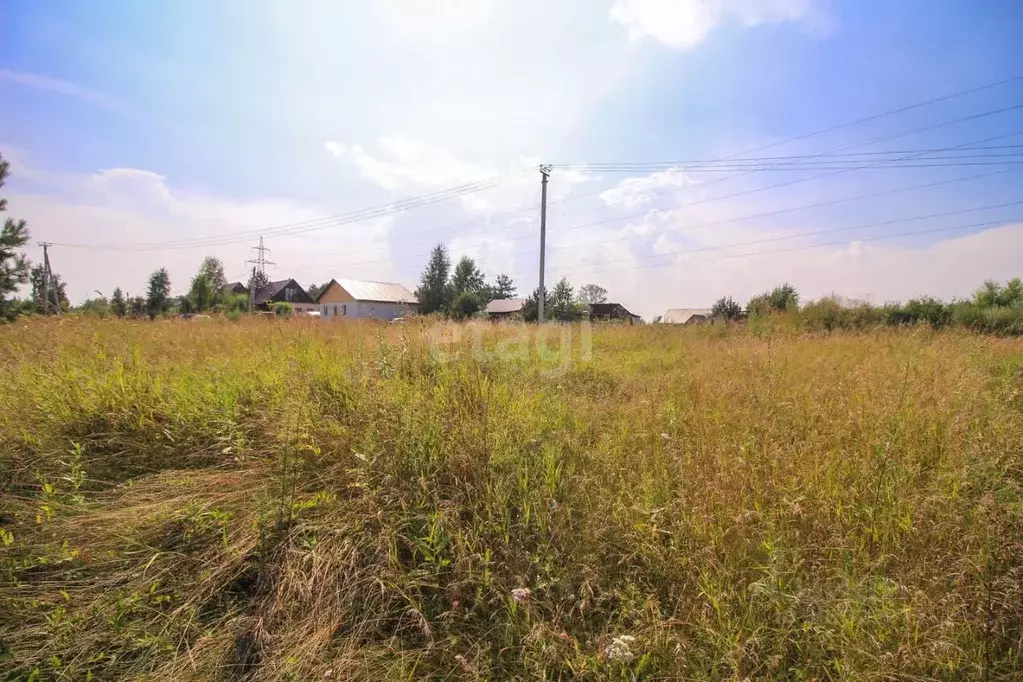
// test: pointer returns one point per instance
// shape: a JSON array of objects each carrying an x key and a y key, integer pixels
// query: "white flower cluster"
[{"x": 620, "y": 648}]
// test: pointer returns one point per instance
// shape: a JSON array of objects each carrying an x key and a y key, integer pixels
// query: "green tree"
[
  {"x": 465, "y": 305},
  {"x": 562, "y": 305},
  {"x": 434, "y": 293},
  {"x": 503, "y": 287},
  {"x": 137, "y": 306},
  {"x": 283, "y": 309},
  {"x": 1012, "y": 292},
  {"x": 314, "y": 290},
  {"x": 784, "y": 297},
  {"x": 94, "y": 307},
  {"x": 778, "y": 300},
  {"x": 235, "y": 303},
  {"x": 208, "y": 285},
  {"x": 726, "y": 308},
  {"x": 467, "y": 278},
  {"x": 56, "y": 290},
  {"x": 118, "y": 306},
  {"x": 531, "y": 307},
  {"x": 158, "y": 293},
  {"x": 258, "y": 280},
  {"x": 994, "y": 295},
  {"x": 213, "y": 269},
  {"x": 592, "y": 293},
  {"x": 201, "y": 294},
  {"x": 14, "y": 266},
  {"x": 987, "y": 296}
]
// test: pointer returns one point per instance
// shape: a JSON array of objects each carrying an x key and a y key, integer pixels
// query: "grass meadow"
[{"x": 293, "y": 500}]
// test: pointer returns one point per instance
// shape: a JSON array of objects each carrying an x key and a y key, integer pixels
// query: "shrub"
[
  {"x": 823, "y": 315},
  {"x": 778, "y": 300},
  {"x": 930, "y": 310},
  {"x": 283, "y": 309},
  {"x": 466, "y": 304},
  {"x": 726, "y": 308},
  {"x": 1003, "y": 320}
]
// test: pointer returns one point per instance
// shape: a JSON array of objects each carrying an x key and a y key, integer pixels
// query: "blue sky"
[{"x": 133, "y": 122}]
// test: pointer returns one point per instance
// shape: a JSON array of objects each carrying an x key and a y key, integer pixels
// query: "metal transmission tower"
[{"x": 259, "y": 265}]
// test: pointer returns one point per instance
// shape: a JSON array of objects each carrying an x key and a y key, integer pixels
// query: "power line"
[
  {"x": 309, "y": 225},
  {"x": 726, "y": 221},
  {"x": 788, "y": 183},
  {"x": 815, "y": 233},
  {"x": 848, "y": 124},
  {"x": 806, "y": 247},
  {"x": 472, "y": 187}
]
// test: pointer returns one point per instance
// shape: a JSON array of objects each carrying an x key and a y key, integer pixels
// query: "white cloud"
[
  {"x": 684, "y": 24},
  {"x": 127, "y": 205},
  {"x": 410, "y": 166},
  {"x": 878, "y": 271},
  {"x": 636, "y": 191}
]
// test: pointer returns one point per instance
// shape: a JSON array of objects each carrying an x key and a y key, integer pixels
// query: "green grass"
[{"x": 292, "y": 500}]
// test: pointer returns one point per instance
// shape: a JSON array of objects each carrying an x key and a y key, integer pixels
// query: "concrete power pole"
[
  {"x": 48, "y": 282},
  {"x": 545, "y": 172}
]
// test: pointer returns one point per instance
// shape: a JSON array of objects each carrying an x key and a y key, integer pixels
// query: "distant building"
[
  {"x": 609, "y": 312},
  {"x": 283, "y": 291},
  {"x": 354, "y": 298},
  {"x": 505, "y": 308},
  {"x": 686, "y": 316},
  {"x": 236, "y": 288}
]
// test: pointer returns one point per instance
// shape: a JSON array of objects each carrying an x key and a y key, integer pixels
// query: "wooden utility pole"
[{"x": 545, "y": 172}]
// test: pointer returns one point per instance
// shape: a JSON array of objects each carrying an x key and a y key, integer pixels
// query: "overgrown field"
[{"x": 288, "y": 500}]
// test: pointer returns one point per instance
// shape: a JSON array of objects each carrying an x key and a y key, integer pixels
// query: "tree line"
[
  {"x": 464, "y": 292},
  {"x": 994, "y": 308}
]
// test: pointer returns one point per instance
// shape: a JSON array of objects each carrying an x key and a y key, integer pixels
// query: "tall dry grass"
[{"x": 283, "y": 500}]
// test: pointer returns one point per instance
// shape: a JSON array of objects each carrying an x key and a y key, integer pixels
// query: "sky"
[{"x": 147, "y": 135}]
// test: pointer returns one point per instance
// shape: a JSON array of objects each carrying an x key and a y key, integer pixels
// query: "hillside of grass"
[{"x": 288, "y": 500}]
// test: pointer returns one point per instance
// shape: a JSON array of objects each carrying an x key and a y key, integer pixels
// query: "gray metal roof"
[
  {"x": 682, "y": 315},
  {"x": 267, "y": 292},
  {"x": 384, "y": 292},
  {"x": 505, "y": 305}
]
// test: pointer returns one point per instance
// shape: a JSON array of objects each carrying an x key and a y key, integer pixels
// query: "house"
[
  {"x": 354, "y": 298},
  {"x": 505, "y": 308},
  {"x": 686, "y": 316},
  {"x": 607, "y": 312},
  {"x": 283, "y": 291},
  {"x": 236, "y": 288}
]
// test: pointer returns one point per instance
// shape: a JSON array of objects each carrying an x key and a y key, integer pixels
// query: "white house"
[{"x": 378, "y": 300}]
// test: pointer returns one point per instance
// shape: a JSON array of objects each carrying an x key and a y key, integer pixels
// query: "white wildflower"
[
  {"x": 620, "y": 648},
  {"x": 521, "y": 594}
]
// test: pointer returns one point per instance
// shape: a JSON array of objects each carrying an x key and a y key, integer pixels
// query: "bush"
[
  {"x": 930, "y": 310},
  {"x": 823, "y": 315},
  {"x": 1003, "y": 320},
  {"x": 283, "y": 309},
  {"x": 726, "y": 308},
  {"x": 466, "y": 304},
  {"x": 779, "y": 300}
]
